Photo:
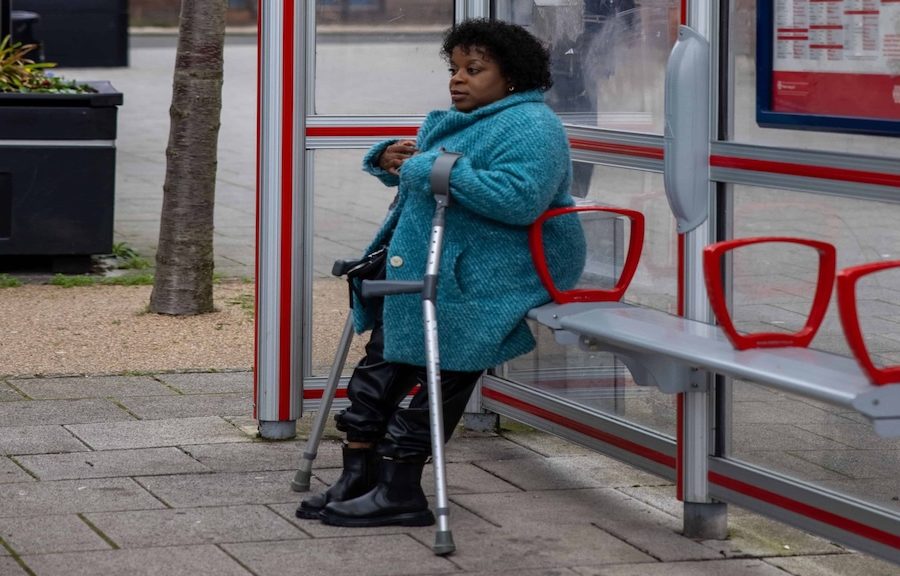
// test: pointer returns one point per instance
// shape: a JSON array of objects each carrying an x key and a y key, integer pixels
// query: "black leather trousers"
[{"x": 376, "y": 389}]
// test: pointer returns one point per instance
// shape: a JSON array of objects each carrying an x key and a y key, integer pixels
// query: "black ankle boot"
[
  {"x": 397, "y": 499},
  {"x": 359, "y": 476}
]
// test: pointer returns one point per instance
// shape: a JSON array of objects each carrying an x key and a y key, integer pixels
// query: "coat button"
[{"x": 396, "y": 261}]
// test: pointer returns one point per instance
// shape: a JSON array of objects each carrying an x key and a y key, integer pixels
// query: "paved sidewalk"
[{"x": 162, "y": 474}]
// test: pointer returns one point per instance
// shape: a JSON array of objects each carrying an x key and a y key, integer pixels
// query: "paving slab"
[
  {"x": 460, "y": 519},
  {"x": 248, "y": 425},
  {"x": 222, "y": 489},
  {"x": 857, "y": 464},
  {"x": 649, "y": 530},
  {"x": 561, "y": 473},
  {"x": 74, "y": 496},
  {"x": 463, "y": 478},
  {"x": 162, "y": 407},
  {"x": 47, "y": 412},
  {"x": 209, "y": 382},
  {"x": 790, "y": 463},
  {"x": 782, "y": 437},
  {"x": 90, "y": 387},
  {"x": 850, "y": 433},
  {"x": 520, "y": 544},
  {"x": 884, "y": 493},
  {"x": 11, "y": 472},
  {"x": 662, "y": 497},
  {"x": 743, "y": 390},
  {"x": 260, "y": 455},
  {"x": 536, "y": 572},
  {"x": 45, "y": 534},
  {"x": 708, "y": 568},
  {"x": 384, "y": 555},
  {"x": 155, "y": 433},
  {"x": 171, "y": 561},
  {"x": 7, "y": 394},
  {"x": 546, "y": 444},
  {"x": 782, "y": 411},
  {"x": 473, "y": 446},
  {"x": 749, "y": 534},
  {"x": 211, "y": 525},
  {"x": 9, "y": 567},
  {"x": 753, "y": 535},
  {"x": 835, "y": 565},
  {"x": 38, "y": 440},
  {"x": 111, "y": 463}
]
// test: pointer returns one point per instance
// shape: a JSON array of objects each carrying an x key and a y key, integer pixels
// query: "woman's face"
[{"x": 475, "y": 79}]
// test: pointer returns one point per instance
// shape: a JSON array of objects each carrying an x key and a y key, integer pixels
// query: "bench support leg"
[
  {"x": 706, "y": 521},
  {"x": 702, "y": 518},
  {"x": 476, "y": 418}
]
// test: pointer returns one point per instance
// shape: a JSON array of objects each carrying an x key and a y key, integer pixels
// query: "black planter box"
[
  {"x": 57, "y": 172},
  {"x": 81, "y": 33}
]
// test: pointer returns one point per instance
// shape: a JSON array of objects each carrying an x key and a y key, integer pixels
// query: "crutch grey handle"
[
  {"x": 376, "y": 288},
  {"x": 440, "y": 176}
]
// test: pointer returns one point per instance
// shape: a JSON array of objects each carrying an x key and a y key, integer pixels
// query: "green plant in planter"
[{"x": 21, "y": 74}]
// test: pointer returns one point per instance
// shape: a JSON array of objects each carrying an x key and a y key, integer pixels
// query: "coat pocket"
[{"x": 450, "y": 282}]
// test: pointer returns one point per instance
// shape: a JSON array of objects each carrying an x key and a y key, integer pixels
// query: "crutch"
[
  {"x": 350, "y": 269},
  {"x": 300, "y": 483},
  {"x": 440, "y": 187}
]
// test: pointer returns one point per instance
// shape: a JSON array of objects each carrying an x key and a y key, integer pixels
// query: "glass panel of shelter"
[
  {"x": 596, "y": 380},
  {"x": 608, "y": 65},
  {"x": 813, "y": 441},
  {"x": 373, "y": 57},
  {"x": 608, "y": 57},
  {"x": 380, "y": 57},
  {"x": 816, "y": 443}
]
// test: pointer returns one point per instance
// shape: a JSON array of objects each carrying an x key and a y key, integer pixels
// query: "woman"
[{"x": 515, "y": 165}]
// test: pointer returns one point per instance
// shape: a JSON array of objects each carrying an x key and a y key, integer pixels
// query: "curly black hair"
[{"x": 521, "y": 57}]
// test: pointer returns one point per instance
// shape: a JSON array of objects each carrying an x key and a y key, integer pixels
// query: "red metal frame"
[
  {"x": 635, "y": 246},
  {"x": 846, "y": 298},
  {"x": 712, "y": 269}
]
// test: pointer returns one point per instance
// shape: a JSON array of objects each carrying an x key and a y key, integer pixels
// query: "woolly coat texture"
[{"x": 515, "y": 165}]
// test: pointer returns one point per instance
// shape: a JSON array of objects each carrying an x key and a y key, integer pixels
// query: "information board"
[{"x": 829, "y": 64}]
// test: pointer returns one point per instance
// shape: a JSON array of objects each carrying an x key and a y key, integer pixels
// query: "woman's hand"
[{"x": 395, "y": 155}]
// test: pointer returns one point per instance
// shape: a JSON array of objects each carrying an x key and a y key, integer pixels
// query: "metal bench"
[{"x": 669, "y": 352}]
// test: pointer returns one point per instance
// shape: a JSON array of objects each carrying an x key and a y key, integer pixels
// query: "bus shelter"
[{"x": 781, "y": 122}]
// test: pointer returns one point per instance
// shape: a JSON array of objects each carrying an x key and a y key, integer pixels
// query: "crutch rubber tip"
[
  {"x": 443, "y": 543},
  {"x": 300, "y": 483}
]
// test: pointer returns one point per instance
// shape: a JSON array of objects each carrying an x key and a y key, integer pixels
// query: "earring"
[{"x": 512, "y": 88}]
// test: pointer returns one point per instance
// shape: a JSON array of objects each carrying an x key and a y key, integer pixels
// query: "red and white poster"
[{"x": 837, "y": 58}]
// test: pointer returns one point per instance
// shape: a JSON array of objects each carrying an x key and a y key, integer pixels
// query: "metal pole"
[
  {"x": 702, "y": 517},
  {"x": 443, "y": 538},
  {"x": 440, "y": 186},
  {"x": 300, "y": 483},
  {"x": 281, "y": 128}
]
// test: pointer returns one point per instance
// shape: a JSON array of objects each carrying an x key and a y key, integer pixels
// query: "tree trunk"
[{"x": 184, "y": 258}]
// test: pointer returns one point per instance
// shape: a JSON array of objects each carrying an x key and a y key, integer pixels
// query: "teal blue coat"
[{"x": 515, "y": 165}]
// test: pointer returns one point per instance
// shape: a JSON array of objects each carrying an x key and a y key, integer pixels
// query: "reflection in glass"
[
  {"x": 376, "y": 57},
  {"x": 872, "y": 291},
  {"x": 862, "y": 231},
  {"x": 349, "y": 206},
  {"x": 608, "y": 57},
  {"x": 593, "y": 378},
  {"x": 813, "y": 441},
  {"x": 764, "y": 275}
]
